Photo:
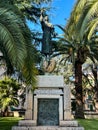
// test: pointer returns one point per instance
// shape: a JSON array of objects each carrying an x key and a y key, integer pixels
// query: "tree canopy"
[{"x": 16, "y": 43}]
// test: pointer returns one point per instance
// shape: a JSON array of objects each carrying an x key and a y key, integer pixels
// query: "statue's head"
[{"x": 43, "y": 12}]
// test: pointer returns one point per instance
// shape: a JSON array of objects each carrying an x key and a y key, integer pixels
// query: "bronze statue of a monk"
[{"x": 48, "y": 32}]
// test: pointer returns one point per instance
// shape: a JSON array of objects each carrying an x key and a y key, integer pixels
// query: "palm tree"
[
  {"x": 8, "y": 93},
  {"x": 16, "y": 43},
  {"x": 86, "y": 25},
  {"x": 70, "y": 48},
  {"x": 80, "y": 43}
]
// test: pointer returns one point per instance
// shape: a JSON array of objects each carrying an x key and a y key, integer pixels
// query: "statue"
[
  {"x": 48, "y": 33},
  {"x": 48, "y": 64}
]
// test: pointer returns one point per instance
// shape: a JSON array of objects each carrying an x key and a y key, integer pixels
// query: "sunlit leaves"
[
  {"x": 8, "y": 92},
  {"x": 16, "y": 41}
]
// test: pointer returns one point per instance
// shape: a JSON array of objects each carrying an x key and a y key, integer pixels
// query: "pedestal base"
[
  {"x": 28, "y": 115},
  {"x": 31, "y": 125},
  {"x": 46, "y": 128},
  {"x": 71, "y": 123},
  {"x": 27, "y": 123}
]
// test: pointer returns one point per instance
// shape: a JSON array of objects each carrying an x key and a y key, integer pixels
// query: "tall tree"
[
  {"x": 79, "y": 43},
  {"x": 16, "y": 42},
  {"x": 84, "y": 28}
]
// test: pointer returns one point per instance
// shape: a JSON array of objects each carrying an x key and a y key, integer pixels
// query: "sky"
[
  {"x": 61, "y": 11},
  {"x": 58, "y": 14}
]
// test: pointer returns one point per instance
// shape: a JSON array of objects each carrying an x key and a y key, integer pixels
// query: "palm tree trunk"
[{"x": 79, "y": 113}]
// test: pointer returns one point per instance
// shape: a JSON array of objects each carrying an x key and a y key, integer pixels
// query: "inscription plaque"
[{"x": 48, "y": 112}]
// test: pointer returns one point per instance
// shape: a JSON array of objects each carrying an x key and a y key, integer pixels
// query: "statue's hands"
[{"x": 49, "y": 24}]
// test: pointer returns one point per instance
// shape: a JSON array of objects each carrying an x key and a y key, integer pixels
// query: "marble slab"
[{"x": 50, "y": 81}]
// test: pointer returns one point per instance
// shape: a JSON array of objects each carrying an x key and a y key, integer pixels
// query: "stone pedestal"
[
  {"x": 69, "y": 123},
  {"x": 49, "y": 88},
  {"x": 29, "y": 106},
  {"x": 67, "y": 103},
  {"x": 46, "y": 128},
  {"x": 27, "y": 123}
]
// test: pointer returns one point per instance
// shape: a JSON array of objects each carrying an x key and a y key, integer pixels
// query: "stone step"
[
  {"x": 69, "y": 123},
  {"x": 27, "y": 123},
  {"x": 46, "y": 128}
]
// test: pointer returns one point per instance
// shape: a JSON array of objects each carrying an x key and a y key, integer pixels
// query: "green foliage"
[
  {"x": 82, "y": 32},
  {"x": 30, "y": 9},
  {"x": 82, "y": 26},
  {"x": 11, "y": 36},
  {"x": 84, "y": 19},
  {"x": 8, "y": 92},
  {"x": 80, "y": 42},
  {"x": 16, "y": 43}
]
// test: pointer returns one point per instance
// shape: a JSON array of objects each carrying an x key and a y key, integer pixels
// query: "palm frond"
[
  {"x": 90, "y": 12},
  {"x": 92, "y": 26},
  {"x": 12, "y": 37},
  {"x": 16, "y": 42}
]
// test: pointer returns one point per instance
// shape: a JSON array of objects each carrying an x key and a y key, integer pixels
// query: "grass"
[
  {"x": 89, "y": 124},
  {"x": 6, "y": 123}
]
